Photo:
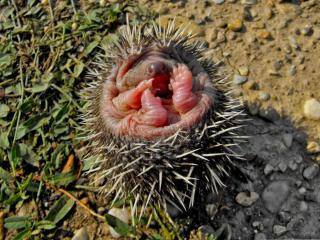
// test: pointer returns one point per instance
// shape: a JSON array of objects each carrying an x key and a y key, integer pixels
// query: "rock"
[
  {"x": 303, "y": 206},
  {"x": 307, "y": 30},
  {"x": 279, "y": 230},
  {"x": 278, "y": 64},
  {"x": 310, "y": 172},
  {"x": 269, "y": 114},
  {"x": 81, "y": 234},
  {"x": 264, "y": 34},
  {"x": 235, "y": 25},
  {"x": 211, "y": 210},
  {"x": 243, "y": 70},
  {"x": 122, "y": 214},
  {"x": 245, "y": 199},
  {"x": 260, "y": 236},
  {"x": 284, "y": 217},
  {"x": 287, "y": 139},
  {"x": 101, "y": 210},
  {"x": 249, "y": 2},
  {"x": 239, "y": 80},
  {"x": 268, "y": 169},
  {"x": 293, "y": 166},
  {"x": 218, "y": 1},
  {"x": 293, "y": 43},
  {"x": 275, "y": 194},
  {"x": 282, "y": 167},
  {"x": 264, "y": 96},
  {"x": 313, "y": 147},
  {"x": 292, "y": 70},
  {"x": 311, "y": 109}
]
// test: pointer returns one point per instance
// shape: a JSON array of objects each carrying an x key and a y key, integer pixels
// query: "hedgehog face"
[{"x": 152, "y": 96}]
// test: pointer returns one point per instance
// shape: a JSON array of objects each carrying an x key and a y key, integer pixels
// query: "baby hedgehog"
[{"x": 160, "y": 120}]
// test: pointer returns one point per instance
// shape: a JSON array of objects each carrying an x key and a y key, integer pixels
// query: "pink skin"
[
  {"x": 138, "y": 112},
  {"x": 181, "y": 82}
]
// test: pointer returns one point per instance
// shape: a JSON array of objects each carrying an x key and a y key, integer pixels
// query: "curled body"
[{"x": 160, "y": 120}]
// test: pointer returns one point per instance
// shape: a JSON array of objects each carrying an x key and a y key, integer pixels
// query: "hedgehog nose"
[{"x": 156, "y": 68}]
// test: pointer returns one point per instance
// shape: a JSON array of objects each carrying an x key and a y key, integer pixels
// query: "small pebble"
[
  {"x": 260, "y": 236},
  {"x": 310, "y": 172},
  {"x": 268, "y": 169},
  {"x": 278, "y": 64},
  {"x": 239, "y": 80},
  {"x": 249, "y": 2},
  {"x": 287, "y": 139},
  {"x": 243, "y": 70},
  {"x": 207, "y": 229},
  {"x": 245, "y": 199},
  {"x": 293, "y": 166},
  {"x": 235, "y": 25},
  {"x": 307, "y": 30},
  {"x": 303, "y": 206},
  {"x": 311, "y": 109},
  {"x": 282, "y": 166},
  {"x": 101, "y": 210},
  {"x": 81, "y": 234},
  {"x": 263, "y": 96},
  {"x": 292, "y": 70},
  {"x": 279, "y": 230},
  {"x": 218, "y": 1},
  {"x": 313, "y": 147},
  {"x": 293, "y": 43},
  {"x": 284, "y": 217},
  {"x": 264, "y": 34}
]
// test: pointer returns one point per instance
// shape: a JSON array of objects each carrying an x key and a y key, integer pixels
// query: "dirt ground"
[
  {"x": 271, "y": 49},
  {"x": 274, "y": 43}
]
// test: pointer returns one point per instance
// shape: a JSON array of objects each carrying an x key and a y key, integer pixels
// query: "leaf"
[
  {"x": 28, "y": 155},
  {"x": 4, "y": 110},
  {"x": 4, "y": 141},
  {"x": 32, "y": 123},
  {"x": 62, "y": 179},
  {"x": 16, "y": 222},
  {"x": 60, "y": 209},
  {"x": 78, "y": 68},
  {"x": 45, "y": 224},
  {"x": 119, "y": 226},
  {"x": 24, "y": 234},
  {"x": 90, "y": 47},
  {"x": 5, "y": 176}
]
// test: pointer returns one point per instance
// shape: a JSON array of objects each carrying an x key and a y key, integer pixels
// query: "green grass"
[{"x": 45, "y": 50}]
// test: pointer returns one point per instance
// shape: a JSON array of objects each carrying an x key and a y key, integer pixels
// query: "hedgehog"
[{"x": 160, "y": 119}]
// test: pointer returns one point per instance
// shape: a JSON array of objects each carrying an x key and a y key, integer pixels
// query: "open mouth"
[{"x": 153, "y": 98}]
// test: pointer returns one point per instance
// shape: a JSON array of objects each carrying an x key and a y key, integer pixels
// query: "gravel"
[
  {"x": 239, "y": 80},
  {"x": 247, "y": 199},
  {"x": 311, "y": 109},
  {"x": 310, "y": 172},
  {"x": 279, "y": 230}
]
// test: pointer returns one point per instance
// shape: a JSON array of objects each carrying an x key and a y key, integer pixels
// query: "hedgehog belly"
[{"x": 160, "y": 121}]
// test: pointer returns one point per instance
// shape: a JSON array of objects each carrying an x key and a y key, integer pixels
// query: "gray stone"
[
  {"x": 264, "y": 96},
  {"x": 211, "y": 210},
  {"x": 303, "y": 206},
  {"x": 283, "y": 167},
  {"x": 239, "y": 80},
  {"x": 279, "y": 230},
  {"x": 81, "y": 234},
  {"x": 260, "y": 236},
  {"x": 249, "y": 2},
  {"x": 247, "y": 199},
  {"x": 218, "y": 1},
  {"x": 292, "y": 70},
  {"x": 269, "y": 114},
  {"x": 310, "y": 172},
  {"x": 293, "y": 166},
  {"x": 284, "y": 217},
  {"x": 268, "y": 169},
  {"x": 287, "y": 139},
  {"x": 275, "y": 194}
]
